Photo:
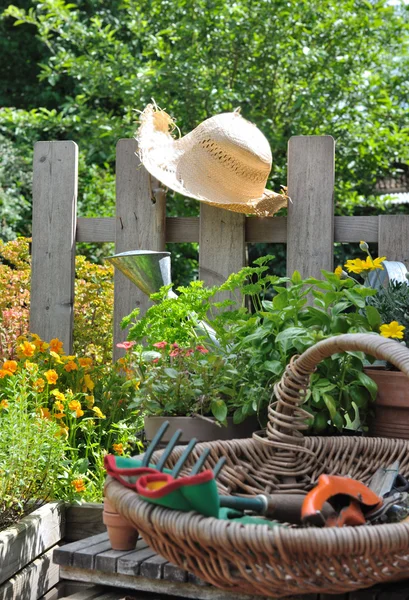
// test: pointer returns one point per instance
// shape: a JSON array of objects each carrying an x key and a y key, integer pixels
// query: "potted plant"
[
  {"x": 181, "y": 371},
  {"x": 388, "y": 311}
]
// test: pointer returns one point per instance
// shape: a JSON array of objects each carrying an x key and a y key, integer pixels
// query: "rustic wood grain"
[
  {"x": 107, "y": 561},
  {"x": 221, "y": 244},
  {"x": 64, "y": 555},
  {"x": 85, "y": 557},
  {"x": 33, "y": 581},
  {"x": 257, "y": 229},
  {"x": 310, "y": 225},
  {"x": 140, "y": 225},
  {"x": 83, "y": 521},
  {"x": 180, "y": 590},
  {"x": 174, "y": 573},
  {"x": 30, "y": 538},
  {"x": 55, "y": 176},
  {"x": 131, "y": 563},
  {"x": 153, "y": 567},
  {"x": 394, "y": 238}
]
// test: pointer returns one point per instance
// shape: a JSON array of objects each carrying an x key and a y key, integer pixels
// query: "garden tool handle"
[
  {"x": 286, "y": 417},
  {"x": 281, "y": 507}
]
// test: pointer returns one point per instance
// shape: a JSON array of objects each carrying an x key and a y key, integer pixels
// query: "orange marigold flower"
[
  {"x": 45, "y": 413},
  {"x": 118, "y": 448},
  {"x": 59, "y": 415},
  {"x": 90, "y": 401},
  {"x": 39, "y": 384},
  {"x": 59, "y": 405},
  {"x": 4, "y": 373},
  {"x": 79, "y": 413},
  {"x": 56, "y": 346},
  {"x": 4, "y": 404},
  {"x": 85, "y": 362},
  {"x": 78, "y": 485},
  {"x": 51, "y": 376},
  {"x": 26, "y": 349},
  {"x": 10, "y": 365},
  {"x": 40, "y": 345},
  {"x": 71, "y": 366}
]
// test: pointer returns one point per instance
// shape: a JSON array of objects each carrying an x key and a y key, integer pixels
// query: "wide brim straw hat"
[{"x": 225, "y": 161}]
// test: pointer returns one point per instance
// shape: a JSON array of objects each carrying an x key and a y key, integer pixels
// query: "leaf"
[
  {"x": 355, "y": 298},
  {"x": 296, "y": 278},
  {"x": 172, "y": 373},
  {"x": 285, "y": 338},
  {"x": 359, "y": 396},
  {"x": 373, "y": 316},
  {"x": 280, "y": 301},
  {"x": 330, "y": 404},
  {"x": 368, "y": 384},
  {"x": 219, "y": 410},
  {"x": 274, "y": 366}
]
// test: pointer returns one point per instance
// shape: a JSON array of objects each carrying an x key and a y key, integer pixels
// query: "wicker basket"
[{"x": 255, "y": 559}]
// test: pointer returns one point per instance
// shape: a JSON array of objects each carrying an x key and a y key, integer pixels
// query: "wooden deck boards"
[{"x": 133, "y": 572}]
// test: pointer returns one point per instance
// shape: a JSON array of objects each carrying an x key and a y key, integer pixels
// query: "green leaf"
[
  {"x": 172, "y": 373},
  {"x": 359, "y": 396},
  {"x": 274, "y": 366},
  {"x": 355, "y": 298},
  {"x": 368, "y": 383},
  {"x": 373, "y": 316},
  {"x": 280, "y": 301},
  {"x": 219, "y": 410},
  {"x": 296, "y": 278},
  {"x": 330, "y": 404},
  {"x": 286, "y": 337}
]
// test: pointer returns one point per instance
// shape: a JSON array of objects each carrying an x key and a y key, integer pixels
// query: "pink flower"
[
  {"x": 202, "y": 349},
  {"x": 155, "y": 360},
  {"x": 126, "y": 345},
  {"x": 160, "y": 345},
  {"x": 189, "y": 351},
  {"x": 175, "y": 345},
  {"x": 175, "y": 352}
]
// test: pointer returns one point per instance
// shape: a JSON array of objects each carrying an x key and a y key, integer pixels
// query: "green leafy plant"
[
  {"x": 31, "y": 450},
  {"x": 392, "y": 304},
  {"x": 265, "y": 321}
]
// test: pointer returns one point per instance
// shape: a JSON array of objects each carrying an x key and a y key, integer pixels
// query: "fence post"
[
  {"x": 221, "y": 244},
  {"x": 310, "y": 224},
  {"x": 55, "y": 179},
  {"x": 393, "y": 236},
  {"x": 140, "y": 225}
]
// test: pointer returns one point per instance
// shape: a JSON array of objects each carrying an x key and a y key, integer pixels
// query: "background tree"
[{"x": 308, "y": 68}]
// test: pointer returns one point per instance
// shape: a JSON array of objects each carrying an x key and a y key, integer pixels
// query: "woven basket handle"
[{"x": 286, "y": 418}]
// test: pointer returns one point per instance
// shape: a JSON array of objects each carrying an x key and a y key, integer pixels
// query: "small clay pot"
[
  {"x": 391, "y": 418},
  {"x": 122, "y": 534}
]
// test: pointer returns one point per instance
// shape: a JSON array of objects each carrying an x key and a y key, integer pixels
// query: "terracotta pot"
[
  {"x": 391, "y": 418},
  {"x": 122, "y": 534},
  {"x": 204, "y": 430}
]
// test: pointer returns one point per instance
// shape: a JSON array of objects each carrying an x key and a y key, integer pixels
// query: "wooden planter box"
[{"x": 26, "y": 567}]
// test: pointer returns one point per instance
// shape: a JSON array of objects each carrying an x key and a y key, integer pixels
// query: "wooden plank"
[
  {"x": 55, "y": 175},
  {"x": 85, "y": 558},
  {"x": 310, "y": 225},
  {"x": 33, "y": 581},
  {"x": 140, "y": 225},
  {"x": 83, "y": 521},
  {"x": 94, "y": 593},
  {"x": 152, "y": 568},
  {"x": 257, "y": 229},
  {"x": 221, "y": 244},
  {"x": 65, "y": 554},
  {"x": 30, "y": 538},
  {"x": 107, "y": 561},
  {"x": 394, "y": 238},
  {"x": 161, "y": 586},
  {"x": 174, "y": 573},
  {"x": 131, "y": 563}
]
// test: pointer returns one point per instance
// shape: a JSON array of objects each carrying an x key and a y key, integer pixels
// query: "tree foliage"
[{"x": 308, "y": 68}]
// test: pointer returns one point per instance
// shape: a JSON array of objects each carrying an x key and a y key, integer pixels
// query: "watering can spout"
[{"x": 147, "y": 269}]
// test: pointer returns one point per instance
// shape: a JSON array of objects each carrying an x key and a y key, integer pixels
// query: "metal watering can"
[{"x": 149, "y": 270}]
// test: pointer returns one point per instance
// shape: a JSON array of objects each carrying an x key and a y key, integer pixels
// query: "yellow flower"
[
  {"x": 90, "y": 400},
  {"x": 79, "y": 413},
  {"x": 58, "y": 395},
  {"x": 51, "y": 376},
  {"x": 56, "y": 357},
  {"x": 4, "y": 404},
  {"x": 59, "y": 405},
  {"x": 376, "y": 262},
  {"x": 118, "y": 448},
  {"x": 26, "y": 349},
  {"x": 98, "y": 412},
  {"x": 355, "y": 266},
  {"x": 338, "y": 271},
  {"x": 39, "y": 384},
  {"x": 30, "y": 366},
  {"x": 71, "y": 366},
  {"x": 78, "y": 485},
  {"x": 88, "y": 383},
  {"x": 56, "y": 346},
  {"x": 60, "y": 415},
  {"x": 74, "y": 404},
  {"x": 363, "y": 266},
  {"x": 4, "y": 373},
  {"x": 393, "y": 330}
]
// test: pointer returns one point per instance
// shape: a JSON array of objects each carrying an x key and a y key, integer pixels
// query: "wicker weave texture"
[{"x": 282, "y": 561}]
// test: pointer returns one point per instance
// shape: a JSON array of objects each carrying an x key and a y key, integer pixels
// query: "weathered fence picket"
[{"x": 141, "y": 223}]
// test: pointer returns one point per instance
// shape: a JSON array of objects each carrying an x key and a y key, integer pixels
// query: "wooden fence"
[{"x": 141, "y": 223}]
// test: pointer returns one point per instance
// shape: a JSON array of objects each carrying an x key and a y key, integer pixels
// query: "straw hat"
[{"x": 225, "y": 161}]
